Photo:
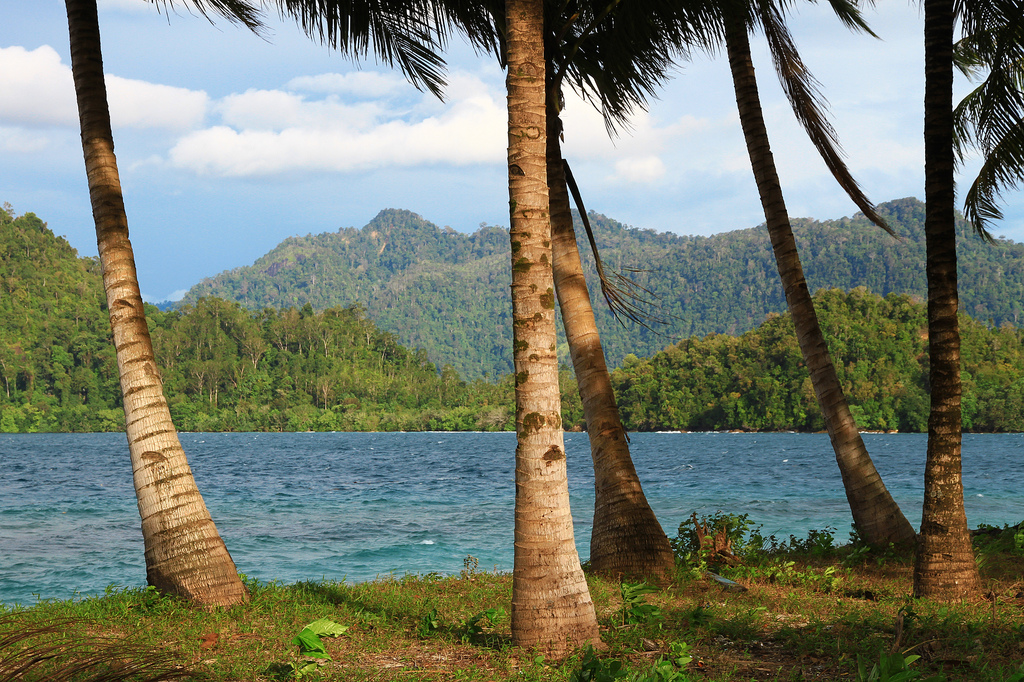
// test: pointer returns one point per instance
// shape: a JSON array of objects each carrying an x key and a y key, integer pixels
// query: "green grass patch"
[{"x": 807, "y": 613}]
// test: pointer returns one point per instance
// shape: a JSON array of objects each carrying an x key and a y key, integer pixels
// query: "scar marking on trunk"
[{"x": 554, "y": 454}]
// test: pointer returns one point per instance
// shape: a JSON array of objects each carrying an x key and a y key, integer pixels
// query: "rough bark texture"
[
  {"x": 184, "y": 553},
  {"x": 627, "y": 539},
  {"x": 877, "y": 516},
  {"x": 944, "y": 567},
  {"x": 551, "y": 605}
]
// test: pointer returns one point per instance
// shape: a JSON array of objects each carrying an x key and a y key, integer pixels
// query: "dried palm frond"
[
  {"x": 625, "y": 297},
  {"x": 63, "y": 650}
]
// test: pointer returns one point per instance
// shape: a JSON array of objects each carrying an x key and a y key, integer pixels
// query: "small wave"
[{"x": 426, "y": 542}]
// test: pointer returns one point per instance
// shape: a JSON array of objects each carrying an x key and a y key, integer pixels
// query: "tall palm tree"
[
  {"x": 616, "y": 55},
  {"x": 876, "y": 515},
  {"x": 551, "y": 605},
  {"x": 944, "y": 566},
  {"x": 185, "y": 555}
]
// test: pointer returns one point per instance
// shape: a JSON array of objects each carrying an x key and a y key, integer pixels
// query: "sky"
[{"x": 228, "y": 142}]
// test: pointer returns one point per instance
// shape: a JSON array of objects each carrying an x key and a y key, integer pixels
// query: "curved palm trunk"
[
  {"x": 551, "y": 605},
  {"x": 184, "y": 554},
  {"x": 627, "y": 538},
  {"x": 944, "y": 567},
  {"x": 876, "y": 515}
]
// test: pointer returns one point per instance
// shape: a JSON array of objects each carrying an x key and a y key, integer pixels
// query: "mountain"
[
  {"x": 224, "y": 368},
  {"x": 447, "y": 292},
  {"x": 55, "y": 345}
]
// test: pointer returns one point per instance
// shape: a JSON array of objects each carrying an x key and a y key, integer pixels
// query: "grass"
[{"x": 809, "y": 613}]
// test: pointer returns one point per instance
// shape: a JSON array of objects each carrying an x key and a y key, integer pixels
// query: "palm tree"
[
  {"x": 617, "y": 56},
  {"x": 551, "y": 605},
  {"x": 876, "y": 515},
  {"x": 944, "y": 566},
  {"x": 185, "y": 555}
]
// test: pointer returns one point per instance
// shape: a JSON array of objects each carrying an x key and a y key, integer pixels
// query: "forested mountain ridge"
[
  {"x": 224, "y": 367},
  {"x": 758, "y": 382},
  {"x": 445, "y": 291},
  {"x": 54, "y": 333},
  {"x": 227, "y": 368}
]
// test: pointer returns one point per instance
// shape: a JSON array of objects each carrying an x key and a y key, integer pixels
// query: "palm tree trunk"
[
  {"x": 626, "y": 538},
  {"x": 184, "y": 553},
  {"x": 551, "y": 605},
  {"x": 944, "y": 567},
  {"x": 876, "y": 515}
]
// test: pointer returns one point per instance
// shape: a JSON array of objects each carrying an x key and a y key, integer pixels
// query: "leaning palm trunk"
[
  {"x": 944, "y": 567},
  {"x": 551, "y": 605},
  {"x": 876, "y": 515},
  {"x": 184, "y": 554},
  {"x": 626, "y": 538}
]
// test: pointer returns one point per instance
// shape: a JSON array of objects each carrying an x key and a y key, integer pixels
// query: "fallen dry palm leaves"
[{"x": 65, "y": 650}]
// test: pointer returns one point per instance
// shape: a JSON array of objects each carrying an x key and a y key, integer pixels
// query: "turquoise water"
[{"x": 357, "y": 505}]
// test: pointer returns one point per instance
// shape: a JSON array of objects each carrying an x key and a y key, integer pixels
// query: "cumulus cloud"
[
  {"x": 38, "y": 92},
  {"x": 266, "y": 132},
  {"x": 138, "y": 104},
  {"x": 368, "y": 84},
  {"x": 277, "y": 110},
  {"x": 37, "y": 88},
  {"x": 643, "y": 169}
]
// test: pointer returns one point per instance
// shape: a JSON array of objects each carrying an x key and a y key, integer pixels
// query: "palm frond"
[
  {"x": 624, "y": 296},
  {"x": 236, "y": 11},
  {"x": 804, "y": 94},
  {"x": 62, "y": 650},
  {"x": 616, "y": 55},
  {"x": 991, "y": 117},
  {"x": 404, "y": 33}
]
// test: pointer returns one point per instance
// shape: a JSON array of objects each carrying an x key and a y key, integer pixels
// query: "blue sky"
[{"x": 228, "y": 143}]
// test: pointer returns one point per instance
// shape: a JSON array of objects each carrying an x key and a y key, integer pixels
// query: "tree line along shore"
[{"x": 226, "y": 368}]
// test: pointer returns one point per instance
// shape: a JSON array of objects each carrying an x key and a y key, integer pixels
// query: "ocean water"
[{"x": 355, "y": 506}]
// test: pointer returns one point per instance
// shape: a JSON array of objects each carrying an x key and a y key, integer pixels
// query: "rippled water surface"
[{"x": 357, "y": 505}]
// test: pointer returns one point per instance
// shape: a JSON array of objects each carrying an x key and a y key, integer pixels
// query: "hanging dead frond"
[{"x": 625, "y": 297}]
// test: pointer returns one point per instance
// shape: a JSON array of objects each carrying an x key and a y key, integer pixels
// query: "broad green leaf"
[
  {"x": 325, "y": 627},
  {"x": 310, "y": 644}
]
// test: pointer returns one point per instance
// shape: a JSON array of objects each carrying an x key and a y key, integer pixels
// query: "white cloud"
[
  {"x": 643, "y": 169},
  {"x": 279, "y": 110},
  {"x": 38, "y": 91},
  {"x": 133, "y": 6},
  {"x": 21, "y": 141},
  {"x": 37, "y": 88},
  {"x": 269, "y": 132},
  {"x": 138, "y": 104},
  {"x": 369, "y": 84}
]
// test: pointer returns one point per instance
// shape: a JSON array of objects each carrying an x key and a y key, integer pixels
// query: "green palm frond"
[
  {"x": 404, "y": 33},
  {"x": 236, "y": 11},
  {"x": 804, "y": 94},
  {"x": 991, "y": 117},
  {"x": 618, "y": 54}
]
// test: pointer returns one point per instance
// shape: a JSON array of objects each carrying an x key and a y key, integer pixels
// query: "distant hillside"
[
  {"x": 57, "y": 364},
  {"x": 223, "y": 367},
  {"x": 447, "y": 292},
  {"x": 758, "y": 381}
]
